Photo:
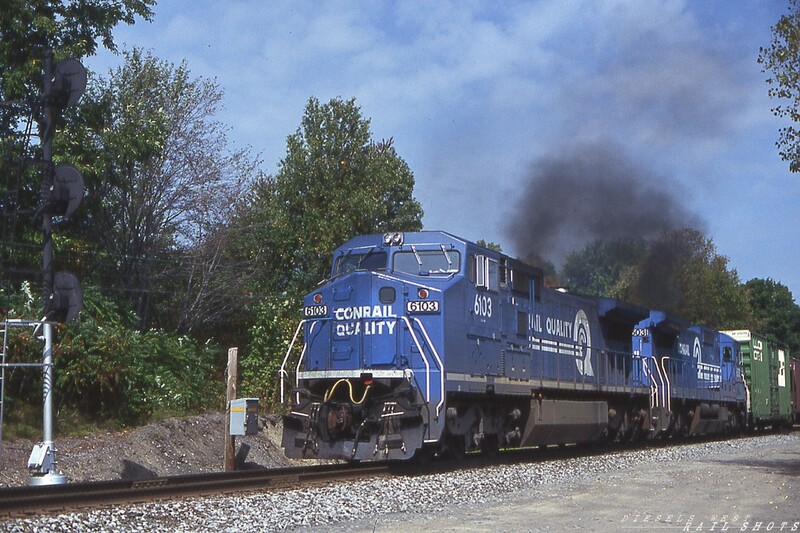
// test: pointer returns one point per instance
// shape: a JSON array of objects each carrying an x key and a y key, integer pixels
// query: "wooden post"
[{"x": 232, "y": 374}]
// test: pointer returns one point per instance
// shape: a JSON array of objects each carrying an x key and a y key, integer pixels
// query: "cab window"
[
  {"x": 485, "y": 272},
  {"x": 494, "y": 275},
  {"x": 727, "y": 354},
  {"x": 372, "y": 261},
  {"x": 427, "y": 262}
]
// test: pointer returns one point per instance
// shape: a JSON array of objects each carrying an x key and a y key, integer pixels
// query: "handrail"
[
  {"x": 7, "y": 324},
  {"x": 653, "y": 386},
  {"x": 668, "y": 395},
  {"x": 424, "y": 359},
  {"x": 746, "y": 390},
  {"x": 19, "y": 322},
  {"x": 302, "y": 356},
  {"x": 439, "y": 363},
  {"x": 656, "y": 376},
  {"x": 282, "y": 373},
  {"x": 661, "y": 380}
]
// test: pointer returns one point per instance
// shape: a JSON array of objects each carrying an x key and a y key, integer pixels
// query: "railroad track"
[
  {"x": 35, "y": 500},
  {"x": 26, "y": 500}
]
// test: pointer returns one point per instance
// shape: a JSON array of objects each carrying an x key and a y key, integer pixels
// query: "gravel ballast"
[{"x": 743, "y": 484}]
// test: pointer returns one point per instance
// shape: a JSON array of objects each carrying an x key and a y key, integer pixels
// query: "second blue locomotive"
[{"x": 425, "y": 343}]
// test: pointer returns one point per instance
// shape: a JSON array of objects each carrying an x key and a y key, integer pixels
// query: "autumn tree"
[
  {"x": 160, "y": 181},
  {"x": 781, "y": 61}
]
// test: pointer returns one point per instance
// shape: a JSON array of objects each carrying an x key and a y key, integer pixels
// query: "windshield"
[
  {"x": 370, "y": 260},
  {"x": 427, "y": 262}
]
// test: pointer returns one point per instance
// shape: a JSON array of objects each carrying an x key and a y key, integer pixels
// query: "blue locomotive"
[{"x": 423, "y": 343}]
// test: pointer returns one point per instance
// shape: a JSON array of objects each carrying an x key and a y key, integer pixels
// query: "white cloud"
[{"x": 474, "y": 92}]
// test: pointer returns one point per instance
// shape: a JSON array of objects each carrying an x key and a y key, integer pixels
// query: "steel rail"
[{"x": 47, "y": 499}]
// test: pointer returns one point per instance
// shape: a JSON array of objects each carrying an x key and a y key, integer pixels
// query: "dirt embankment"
[{"x": 170, "y": 447}]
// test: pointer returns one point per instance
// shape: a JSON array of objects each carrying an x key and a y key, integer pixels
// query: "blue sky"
[{"x": 476, "y": 95}]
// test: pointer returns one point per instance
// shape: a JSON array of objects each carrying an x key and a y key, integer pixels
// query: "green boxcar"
[{"x": 765, "y": 364}]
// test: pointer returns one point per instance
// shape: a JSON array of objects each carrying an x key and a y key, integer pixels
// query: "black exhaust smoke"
[{"x": 592, "y": 193}]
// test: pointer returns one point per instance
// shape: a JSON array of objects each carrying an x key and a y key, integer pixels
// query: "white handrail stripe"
[
  {"x": 669, "y": 386},
  {"x": 282, "y": 373},
  {"x": 438, "y": 362},
  {"x": 661, "y": 379},
  {"x": 424, "y": 359}
]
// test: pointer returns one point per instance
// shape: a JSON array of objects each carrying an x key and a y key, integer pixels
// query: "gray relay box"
[{"x": 244, "y": 416}]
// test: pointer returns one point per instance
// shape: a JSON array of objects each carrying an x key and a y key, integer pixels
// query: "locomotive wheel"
[
  {"x": 456, "y": 447},
  {"x": 623, "y": 432},
  {"x": 683, "y": 426},
  {"x": 490, "y": 444}
]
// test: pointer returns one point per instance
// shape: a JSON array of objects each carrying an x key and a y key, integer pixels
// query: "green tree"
[
  {"x": 683, "y": 274},
  {"x": 490, "y": 245},
  {"x": 108, "y": 370},
  {"x": 27, "y": 29},
  {"x": 596, "y": 270},
  {"x": 70, "y": 28},
  {"x": 335, "y": 182},
  {"x": 781, "y": 60},
  {"x": 276, "y": 320},
  {"x": 775, "y": 312}
]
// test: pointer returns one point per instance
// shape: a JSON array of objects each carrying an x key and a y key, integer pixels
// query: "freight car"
[
  {"x": 424, "y": 343},
  {"x": 764, "y": 363}
]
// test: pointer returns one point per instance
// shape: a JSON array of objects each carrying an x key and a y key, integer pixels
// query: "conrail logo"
[
  {"x": 364, "y": 320},
  {"x": 698, "y": 357},
  {"x": 364, "y": 311},
  {"x": 583, "y": 341}
]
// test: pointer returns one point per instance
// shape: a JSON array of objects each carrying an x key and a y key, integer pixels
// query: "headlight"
[{"x": 393, "y": 239}]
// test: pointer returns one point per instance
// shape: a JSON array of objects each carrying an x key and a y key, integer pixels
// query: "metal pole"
[
  {"x": 47, "y": 389},
  {"x": 42, "y": 462}
]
